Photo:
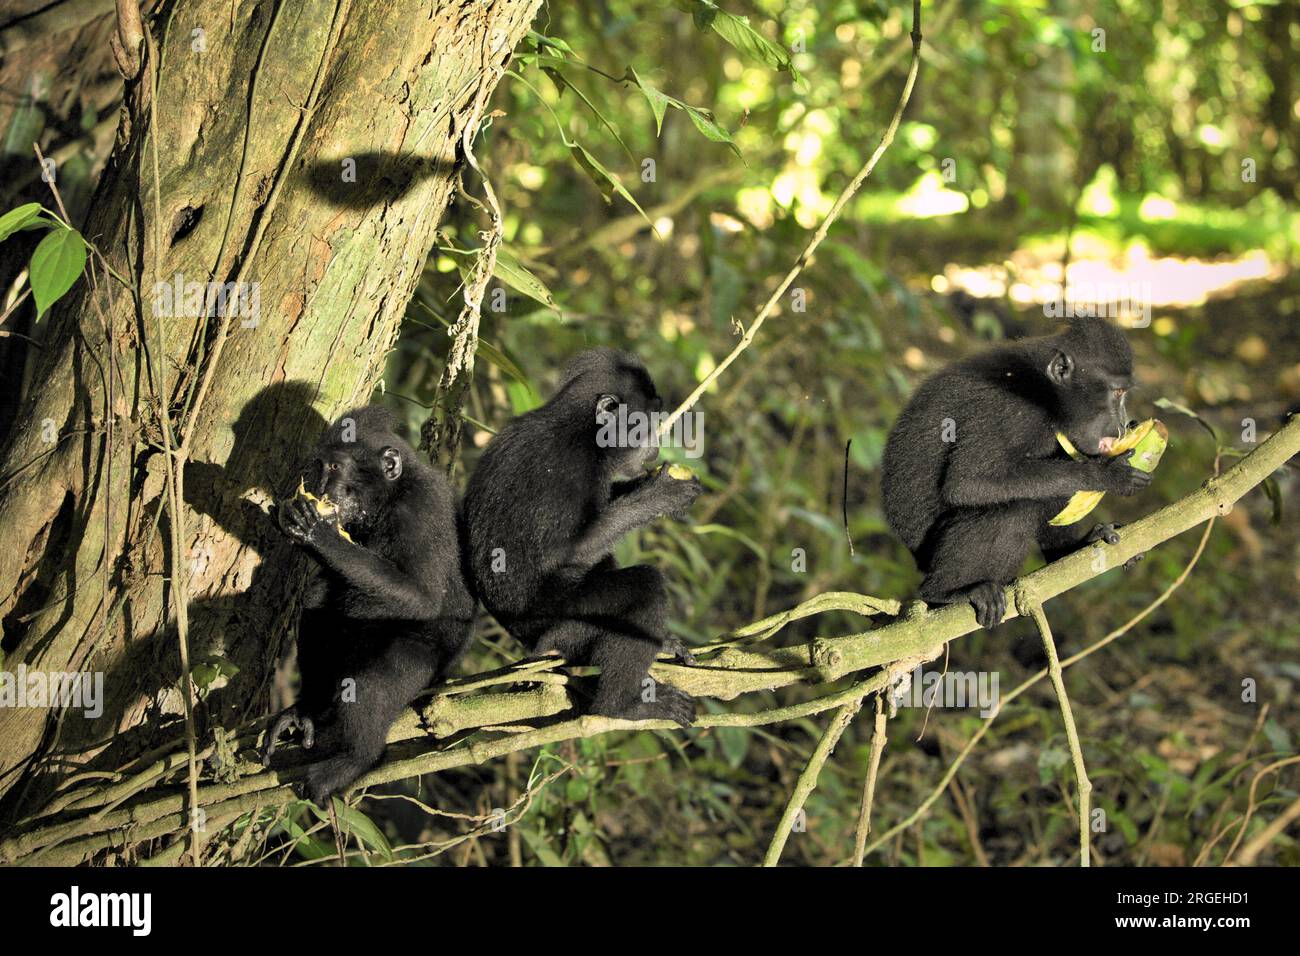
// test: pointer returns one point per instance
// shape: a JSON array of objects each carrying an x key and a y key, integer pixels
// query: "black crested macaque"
[
  {"x": 973, "y": 470},
  {"x": 542, "y": 515},
  {"x": 390, "y": 611}
]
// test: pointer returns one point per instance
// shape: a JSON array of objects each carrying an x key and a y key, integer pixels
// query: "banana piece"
[
  {"x": 324, "y": 506},
  {"x": 1147, "y": 442},
  {"x": 680, "y": 472}
]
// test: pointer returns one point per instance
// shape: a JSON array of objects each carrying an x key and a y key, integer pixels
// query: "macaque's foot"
[
  {"x": 334, "y": 776},
  {"x": 676, "y": 648},
  {"x": 669, "y": 704},
  {"x": 1109, "y": 533},
  {"x": 309, "y": 790},
  {"x": 288, "y": 720},
  {"x": 989, "y": 600}
]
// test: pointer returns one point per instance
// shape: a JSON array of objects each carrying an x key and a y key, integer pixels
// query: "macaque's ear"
[
  {"x": 605, "y": 406},
  {"x": 390, "y": 463},
  {"x": 1060, "y": 368}
]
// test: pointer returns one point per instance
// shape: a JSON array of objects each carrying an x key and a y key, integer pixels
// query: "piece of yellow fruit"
[
  {"x": 1146, "y": 441},
  {"x": 680, "y": 472},
  {"x": 324, "y": 506}
]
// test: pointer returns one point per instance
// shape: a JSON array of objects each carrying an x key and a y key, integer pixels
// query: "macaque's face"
[
  {"x": 635, "y": 404},
  {"x": 1092, "y": 399},
  {"x": 357, "y": 478}
]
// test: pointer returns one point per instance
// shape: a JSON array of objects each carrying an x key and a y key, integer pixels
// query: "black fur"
[
  {"x": 389, "y": 613},
  {"x": 970, "y": 509},
  {"x": 543, "y": 501}
]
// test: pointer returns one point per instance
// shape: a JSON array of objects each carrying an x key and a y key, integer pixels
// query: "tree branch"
[
  {"x": 724, "y": 670},
  {"x": 879, "y": 737},
  {"x": 807, "y": 781},
  {"x": 1071, "y": 731}
]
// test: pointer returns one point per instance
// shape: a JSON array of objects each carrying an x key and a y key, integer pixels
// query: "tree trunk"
[{"x": 264, "y": 111}]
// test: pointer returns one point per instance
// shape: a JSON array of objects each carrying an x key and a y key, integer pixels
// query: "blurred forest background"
[{"x": 660, "y": 169}]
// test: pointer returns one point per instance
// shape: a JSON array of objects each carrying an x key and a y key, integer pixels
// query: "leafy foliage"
[
  {"x": 1157, "y": 105},
  {"x": 59, "y": 258}
]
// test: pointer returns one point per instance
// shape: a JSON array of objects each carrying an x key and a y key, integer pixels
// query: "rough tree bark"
[{"x": 259, "y": 105}]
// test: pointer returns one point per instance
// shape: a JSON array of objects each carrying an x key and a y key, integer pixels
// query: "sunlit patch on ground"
[{"x": 1027, "y": 278}]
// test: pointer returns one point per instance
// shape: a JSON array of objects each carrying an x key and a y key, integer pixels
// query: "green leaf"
[
  {"x": 1184, "y": 410},
  {"x": 208, "y": 669},
  {"x": 707, "y": 125},
  {"x": 522, "y": 398},
  {"x": 703, "y": 119},
  {"x": 308, "y": 846},
  {"x": 555, "y": 43},
  {"x": 28, "y": 117},
  {"x": 576, "y": 790},
  {"x": 604, "y": 179},
  {"x": 40, "y": 222},
  {"x": 543, "y": 60},
  {"x": 734, "y": 742},
  {"x": 823, "y": 523},
  {"x": 1277, "y": 735},
  {"x": 750, "y": 43},
  {"x": 704, "y": 13},
  {"x": 15, "y": 219},
  {"x": 1126, "y": 826},
  {"x": 484, "y": 349},
  {"x": 601, "y": 176},
  {"x": 865, "y": 272},
  {"x": 494, "y": 356},
  {"x": 658, "y": 100},
  {"x": 355, "y": 823},
  {"x": 562, "y": 83},
  {"x": 512, "y": 272},
  {"x": 729, "y": 532},
  {"x": 55, "y": 266},
  {"x": 537, "y": 843},
  {"x": 1050, "y": 761}
]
